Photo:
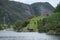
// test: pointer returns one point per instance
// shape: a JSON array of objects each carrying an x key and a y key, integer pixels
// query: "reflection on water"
[{"x": 10, "y": 35}]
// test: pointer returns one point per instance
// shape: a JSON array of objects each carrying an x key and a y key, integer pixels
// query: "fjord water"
[{"x": 11, "y": 35}]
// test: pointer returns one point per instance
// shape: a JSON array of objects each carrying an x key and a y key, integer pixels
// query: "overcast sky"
[{"x": 52, "y": 2}]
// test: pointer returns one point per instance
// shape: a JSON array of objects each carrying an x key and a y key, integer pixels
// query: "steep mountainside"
[
  {"x": 10, "y": 11},
  {"x": 13, "y": 11},
  {"x": 42, "y": 8}
]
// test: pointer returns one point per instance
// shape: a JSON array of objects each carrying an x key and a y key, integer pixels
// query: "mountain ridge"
[{"x": 13, "y": 11}]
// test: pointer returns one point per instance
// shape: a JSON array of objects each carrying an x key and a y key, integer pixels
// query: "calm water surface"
[{"x": 11, "y": 35}]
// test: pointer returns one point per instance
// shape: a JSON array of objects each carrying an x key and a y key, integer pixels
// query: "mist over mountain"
[{"x": 10, "y": 11}]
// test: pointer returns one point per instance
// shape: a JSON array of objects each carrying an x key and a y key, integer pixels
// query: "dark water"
[{"x": 10, "y": 35}]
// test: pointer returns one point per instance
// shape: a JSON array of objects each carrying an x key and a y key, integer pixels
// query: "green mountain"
[{"x": 10, "y": 11}]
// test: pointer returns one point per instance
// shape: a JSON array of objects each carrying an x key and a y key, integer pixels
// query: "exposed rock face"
[
  {"x": 10, "y": 11},
  {"x": 42, "y": 8},
  {"x": 13, "y": 11}
]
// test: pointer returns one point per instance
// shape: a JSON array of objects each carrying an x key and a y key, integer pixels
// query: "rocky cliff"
[
  {"x": 10, "y": 11},
  {"x": 42, "y": 8}
]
